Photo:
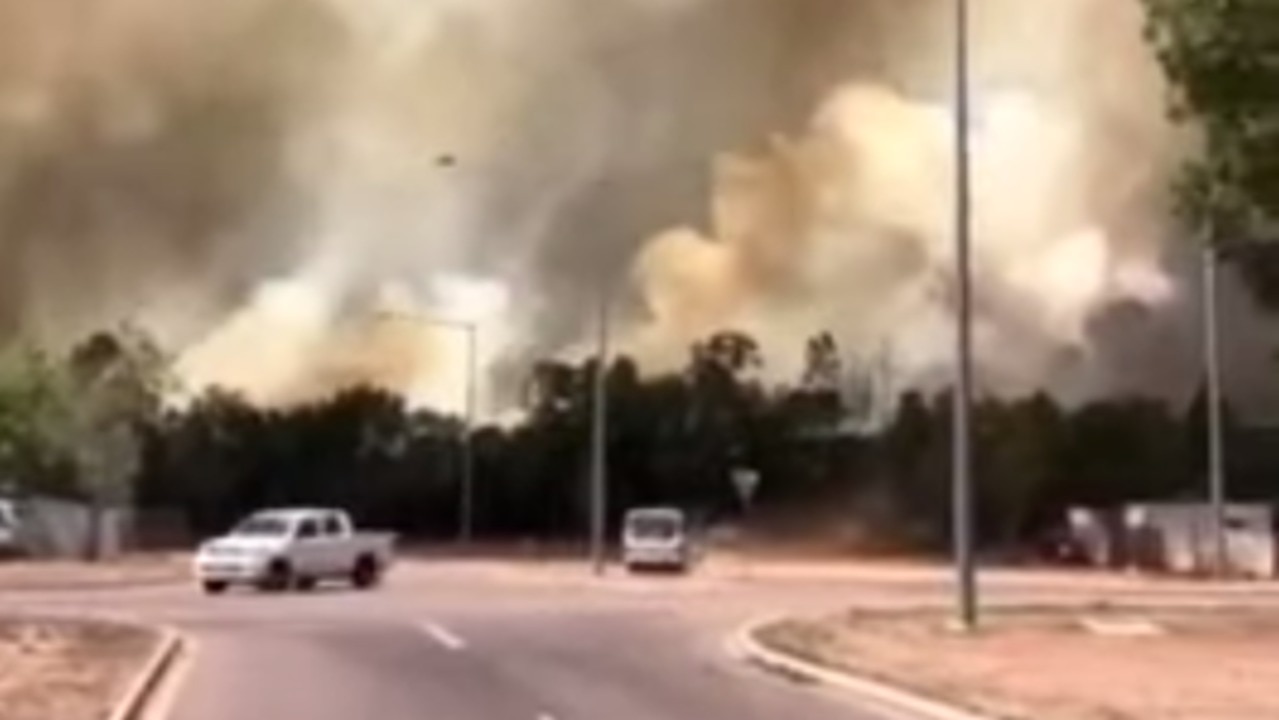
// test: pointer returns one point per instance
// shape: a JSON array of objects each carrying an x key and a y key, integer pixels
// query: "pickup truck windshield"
[{"x": 262, "y": 526}]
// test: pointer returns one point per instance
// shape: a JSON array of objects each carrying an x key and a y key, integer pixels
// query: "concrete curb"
[
  {"x": 746, "y": 645},
  {"x": 36, "y": 588},
  {"x": 134, "y": 701}
]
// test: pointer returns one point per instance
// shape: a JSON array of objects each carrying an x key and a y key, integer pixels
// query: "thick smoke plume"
[
  {"x": 849, "y": 225},
  {"x": 291, "y": 191}
]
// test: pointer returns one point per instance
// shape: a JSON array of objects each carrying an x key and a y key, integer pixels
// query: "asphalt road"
[
  {"x": 453, "y": 640},
  {"x": 491, "y": 667},
  {"x": 449, "y": 645}
]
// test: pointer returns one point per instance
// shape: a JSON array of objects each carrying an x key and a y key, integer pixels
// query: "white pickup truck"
[{"x": 293, "y": 548}]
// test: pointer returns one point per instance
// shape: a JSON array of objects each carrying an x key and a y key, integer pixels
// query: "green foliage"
[
  {"x": 1220, "y": 58},
  {"x": 115, "y": 384},
  {"x": 914, "y": 453},
  {"x": 33, "y": 407},
  {"x": 1021, "y": 453},
  {"x": 1125, "y": 450},
  {"x": 70, "y": 425}
]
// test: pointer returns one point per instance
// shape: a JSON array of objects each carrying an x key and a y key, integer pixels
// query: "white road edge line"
[
  {"x": 884, "y": 698},
  {"x": 545, "y": 716},
  {"x": 443, "y": 636}
]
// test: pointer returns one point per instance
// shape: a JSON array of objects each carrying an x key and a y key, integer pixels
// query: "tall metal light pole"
[
  {"x": 466, "y": 512},
  {"x": 962, "y": 490},
  {"x": 1216, "y": 445},
  {"x": 466, "y": 498},
  {"x": 599, "y": 443}
]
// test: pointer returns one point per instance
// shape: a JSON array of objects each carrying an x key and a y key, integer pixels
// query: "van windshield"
[{"x": 654, "y": 527}]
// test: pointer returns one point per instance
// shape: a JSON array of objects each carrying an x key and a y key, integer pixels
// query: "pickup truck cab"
[{"x": 293, "y": 548}]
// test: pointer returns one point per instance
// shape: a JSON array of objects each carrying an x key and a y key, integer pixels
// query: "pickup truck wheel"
[
  {"x": 214, "y": 587},
  {"x": 279, "y": 577},
  {"x": 366, "y": 573}
]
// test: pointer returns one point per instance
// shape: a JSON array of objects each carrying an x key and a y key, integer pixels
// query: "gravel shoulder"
[
  {"x": 1089, "y": 664},
  {"x": 69, "y": 670},
  {"x": 43, "y": 575}
]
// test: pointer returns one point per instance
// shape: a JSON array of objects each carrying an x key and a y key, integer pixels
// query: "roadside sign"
[{"x": 746, "y": 481}]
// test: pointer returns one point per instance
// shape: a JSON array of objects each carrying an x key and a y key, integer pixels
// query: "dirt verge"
[
  {"x": 69, "y": 670},
  {"x": 1093, "y": 664},
  {"x": 38, "y": 575}
]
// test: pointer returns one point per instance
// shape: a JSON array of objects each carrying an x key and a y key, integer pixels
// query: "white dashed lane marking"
[{"x": 443, "y": 636}]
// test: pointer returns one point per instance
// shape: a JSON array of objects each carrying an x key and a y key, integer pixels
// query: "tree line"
[{"x": 92, "y": 425}]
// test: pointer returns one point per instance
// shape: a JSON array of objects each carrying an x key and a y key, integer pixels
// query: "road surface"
[
  {"x": 463, "y": 640},
  {"x": 454, "y": 644}
]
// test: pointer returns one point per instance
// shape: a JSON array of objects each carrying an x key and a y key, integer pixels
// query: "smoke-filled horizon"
[{"x": 278, "y": 188}]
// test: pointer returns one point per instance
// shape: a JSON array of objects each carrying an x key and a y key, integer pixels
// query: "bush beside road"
[
  {"x": 1099, "y": 664},
  {"x": 68, "y": 670}
]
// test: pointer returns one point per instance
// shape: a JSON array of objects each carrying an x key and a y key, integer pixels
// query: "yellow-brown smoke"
[
  {"x": 253, "y": 179},
  {"x": 848, "y": 226}
]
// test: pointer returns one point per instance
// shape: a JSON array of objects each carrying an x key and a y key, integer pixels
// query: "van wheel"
[
  {"x": 279, "y": 577},
  {"x": 305, "y": 584},
  {"x": 214, "y": 587},
  {"x": 366, "y": 573}
]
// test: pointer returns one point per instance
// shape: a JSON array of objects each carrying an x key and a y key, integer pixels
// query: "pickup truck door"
[
  {"x": 309, "y": 550},
  {"x": 337, "y": 545}
]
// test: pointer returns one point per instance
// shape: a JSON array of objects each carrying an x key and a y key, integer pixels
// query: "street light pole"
[
  {"x": 467, "y": 509},
  {"x": 466, "y": 503},
  {"x": 599, "y": 443},
  {"x": 962, "y": 500},
  {"x": 1216, "y": 446}
]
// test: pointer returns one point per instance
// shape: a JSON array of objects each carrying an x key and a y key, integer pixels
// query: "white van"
[
  {"x": 656, "y": 538},
  {"x": 10, "y": 543}
]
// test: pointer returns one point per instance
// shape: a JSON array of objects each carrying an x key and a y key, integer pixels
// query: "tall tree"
[
  {"x": 731, "y": 351},
  {"x": 32, "y": 409},
  {"x": 1219, "y": 56},
  {"x": 1220, "y": 59},
  {"x": 816, "y": 405},
  {"x": 1019, "y": 452},
  {"x": 823, "y": 368},
  {"x": 116, "y": 384}
]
